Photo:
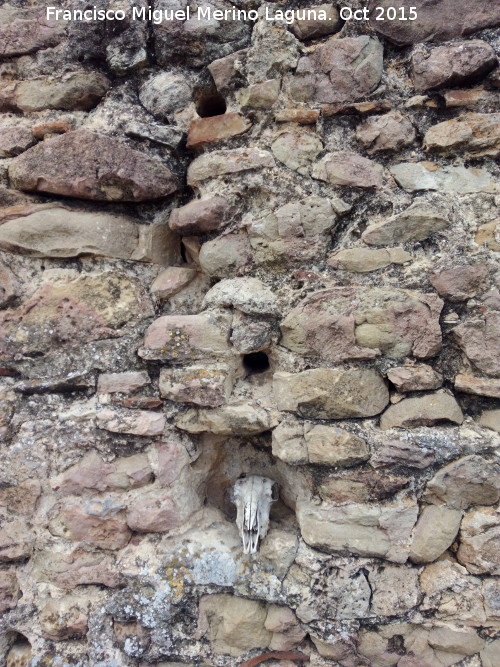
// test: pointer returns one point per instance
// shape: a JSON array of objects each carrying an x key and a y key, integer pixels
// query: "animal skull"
[{"x": 253, "y": 495}]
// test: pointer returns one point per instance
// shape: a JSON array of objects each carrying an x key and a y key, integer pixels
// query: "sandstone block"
[
  {"x": 181, "y": 338},
  {"x": 365, "y": 260},
  {"x": 395, "y": 590},
  {"x": 338, "y": 324},
  {"x": 297, "y": 150},
  {"x": 171, "y": 281},
  {"x": 283, "y": 623},
  {"x": 22, "y": 497},
  {"x": 16, "y": 542},
  {"x": 414, "y": 176},
  {"x": 199, "y": 216},
  {"x": 27, "y": 30},
  {"x": 436, "y": 21},
  {"x": 14, "y": 140},
  {"x": 9, "y": 590},
  {"x": 472, "y": 480},
  {"x": 480, "y": 541},
  {"x": 435, "y": 531},
  {"x": 312, "y": 28},
  {"x": 480, "y": 340},
  {"x": 489, "y": 234},
  {"x": 379, "y": 530},
  {"x": 479, "y": 386},
  {"x": 135, "y": 422},
  {"x": 216, "y": 128},
  {"x": 416, "y": 223},
  {"x": 204, "y": 385},
  {"x": 390, "y": 132},
  {"x": 344, "y": 168},
  {"x": 299, "y": 115},
  {"x": 324, "y": 393},
  {"x": 422, "y": 411},
  {"x": 91, "y": 166},
  {"x": 226, "y": 256},
  {"x": 226, "y": 71},
  {"x": 220, "y": 163},
  {"x": 124, "y": 383},
  {"x": 64, "y": 618},
  {"x": 491, "y": 419},
  {"x": 260, "y": 95},
  {"x": 155, "y": 511},
  {"x": 474, "y": 134},
  {"x": 76, "y": 568},
  {"x": 414, "y": 378},
  {"x": 249, "y": 295},
  {"x": 165, "y": 93},
  {"x": 340, "y": 70},
  {"x": 451, "y": 65},
  {"x": 236, "y": 419},
  {"x": 461, "y": 283}
]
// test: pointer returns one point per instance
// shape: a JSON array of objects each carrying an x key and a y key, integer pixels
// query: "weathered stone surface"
[
  {"x": 390, "y": 132},
  {"x": 233, "y": 624},
  {"x": 414, "y": 378},
  {"x": 480, "y": 541},
  {"x": 435, "y": 21},
  {"x": 165, "y": 93},
  {"x": 480, "y": 340},
  {"x": 251, "y": 334},
  {"x": 220, "y": 163},
  {"x": 22, "y": 498},
  {"x": 74, "y": 91},
  {"x": 469, "y": 98},
  {"x": 423, "y": 410},
  {"x": 311, "y": 27},
  {"x": 95, "y": 522},
  {"x": 260, "y": 95},
  {"x": 124, "y": 383},
  {"x": 480, "y": 386},
  {"x": 64, "y": 618},
  {"x": 283, "y": 623},
  {"x": 491, "y": 419},
  {"x": 216, "y": 128},
  {"x": 435, "y": 531},
  {"x": 472, "y": 480},
  {"x": 383, "y": 531},
  {"x": 416, "y": 223},
  {"x": 460, "y": 283},
  {"x": 155, "y": 511},
  {"x": 135, "y": 422},
  {"x": 300, "y": 443},
  {"x": 489, "y": 654},
  {"x": 204, "y": 385},
  {"x": 347, "y": 323},
  {"x": 226, "y": 71},
  {"x": 16, "y": 542},
  {"x": 158, "y": 244},
  {"x": 340, "y": 70},
  {"x": 298, "y": 115},
  {"x": 365, "y": 260},
  {"x": 226, "y": 256},
  {"x": 235, "y": 419},
  {"x": 76, "y": 568},
  {"x": 54, "y": 230},
  {"x": 91, "y": 166},
  {"x": 324, "y": 393},
  {"x": 64, "y": 312},
  {"x": 489, "y": 234},
  {"x": 27, "y": 30},
  {"x": 451, "y": 65},
  {"x": 297, "y": 150},
  {"x": 395, "y": 590},
  {"x": 361, "y": 486},
  {"x": 187, "y": 337},
  {"x": 414, "y": 176},
  {"x": 344, "y": 168},
  {"x": 171, "y": 281},
  {"x": 249, "y": 295},
  {"x": 199, "y": 216},
  {"x": 474, "y": 133},
  {"x": 94, "y": 474},
  {"x": 15, "y": 140},
  {"x": 9, "y": 590}
]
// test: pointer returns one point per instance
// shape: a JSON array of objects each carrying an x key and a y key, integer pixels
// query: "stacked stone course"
[{"x": 261, "y": 248}]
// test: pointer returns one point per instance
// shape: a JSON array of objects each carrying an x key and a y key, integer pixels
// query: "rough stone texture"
[
  {"x": 208, "y": 386},
  {"x": 452, "y": 65},
  {"x": 414, "y": 378},
  {"x": 480, "y": 541},
  {"x": 235, "y": 419},
  {"x": 220, "y": 163},
  {"x": 461, "y": 283},
  {"x": 199, "y": 216},
  {"x": 340, "y": 70},
  {"x": 471, "y": 480},
  {"x": 27, "y": 30},
  {"x": 172, "y": 280},
  {"x": 348, "y": 169},
  {"x": 422, "y": 411},
  {"x": 489, "y": 234},
  {"x": 91, "y": 166},
  {"x": 435, "y": 531},
  {"x": 436, "y": 21},
  {"x": 415, "y": 176},
  {"x": 416, "y": 223},
  {"x": 324, "y": 393},
  {"x": 474, "y": 134},
  {"x": 366, "y": 324},
  {"x": 260, "y": 95},
  {"x": 365, "y": 260},
  {"x": 248, "y": 295},
  {"x": 480, "y": 340},
  {"x": 136, "y": 422},
  {"x": 491, "y": 419},
  {"x": 164, "y": 93},
  {"x": 390, "y": 132},
  {"x": 470, "y": 384},
  {"x": 216, "y": 128},
  {"x": 310, "y": 28}
]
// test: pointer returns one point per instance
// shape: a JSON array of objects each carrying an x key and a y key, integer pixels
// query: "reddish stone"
[
  {"x": 25, "y": 31},
  {"x": 42, "y": 130},
  {"x": 135, "y": 422},
  {"x": 153, "y": 512},
  {"x": 16, "y": 542},
  {"x": 297, "y": 115},
  {"x": 480, "y": 340},
  {"x": 142, "y": 402},
  {"x": 125, "y": 383},
  {"x": 216, "y": 128},
  {"x": 460, "y": 283},
  {"x": 9, "y": 590},
  {"x": 199, "y": 216}
]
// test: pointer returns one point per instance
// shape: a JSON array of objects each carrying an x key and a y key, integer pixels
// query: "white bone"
[{"x": 253, "y": 496}]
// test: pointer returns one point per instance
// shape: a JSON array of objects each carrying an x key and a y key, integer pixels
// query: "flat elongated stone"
[
  {"x": 135, "y": 422},
  {"x": 91, "y": 166},
  {"x": 474, "y": 133},
  {"x": 414, "y": 176},
  {"x": 344, "y": 168},
  {"x": 480, "y": 386},
  {"x": 236, "y": 419},
  {"x": 311, "y": 28},
  {"x": 422, "y": 411},
  {"x": 435, "y": 531},
  {"x": 390, "y": 132},
  {"x": 414, "y": 378},
  {"x": 125, "y": 383},
  {"x": 416, "y": 223},
  {"x": 324, "y": 393},
  {"x": 435, "y": 21},
  {"x": 365, "y": 260},
  {"x": 204, "y": 385},
  {"x": 451, "y": 65},
  {"x": 219, "y": 163},
  {"x": 199, "y": 216},
  {"x": 216, "y": 128}
]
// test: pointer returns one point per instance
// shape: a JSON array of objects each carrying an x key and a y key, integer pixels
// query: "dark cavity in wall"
[
  {"x": 210, "y": 103},
  {"x": 256, "y": 362}
]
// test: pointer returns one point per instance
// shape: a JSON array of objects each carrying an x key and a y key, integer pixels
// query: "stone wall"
[{"x": 233, "y": 247}]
